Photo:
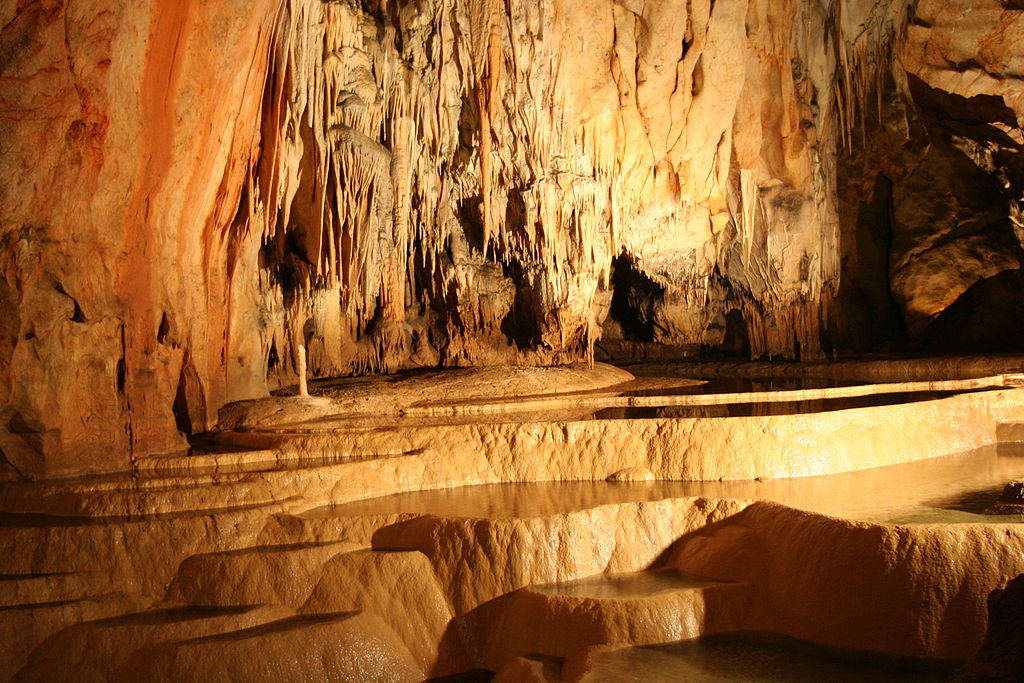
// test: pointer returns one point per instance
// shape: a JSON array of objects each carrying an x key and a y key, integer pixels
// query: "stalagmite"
[{"x": 301, "y": 370}]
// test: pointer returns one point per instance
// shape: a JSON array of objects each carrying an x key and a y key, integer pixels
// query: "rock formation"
[
  {"x": 191, "y": 193},
  {"x": 1001, "y": 657},
  {"x": 204, "y": 202}
]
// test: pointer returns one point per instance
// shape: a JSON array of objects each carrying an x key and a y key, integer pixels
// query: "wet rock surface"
[
  {"x": 1001, "y": 657},
  {"x": 183, "y": 567},
  {"x": 1011, "y": 500}
]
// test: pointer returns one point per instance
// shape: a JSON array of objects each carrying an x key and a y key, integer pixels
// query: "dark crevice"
[
  {"x": 121, "y": 375},
  {"x": 182, "y": 419},
  {"x": 31, "y": 435},
  {"x": 947, "y": 106},
  {"x": 189, "y": 406},
  {"x": 988, "y": 317},
  {"x": 4, "y": 460},
  {"x": 77, "y": 315},
  {"x": 736, "y": 342},
  {"x": 287, "y": 260},
  {"x": 521, "y": 326},
  {"x": 635, "y": 300},
  {"x": 163, "y": 329},
  {"x": 471, "y": 220},
  {"x": 273, "y": 359}
]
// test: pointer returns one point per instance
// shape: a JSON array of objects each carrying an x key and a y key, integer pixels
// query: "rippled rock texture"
[{"x": 191, "y": 190}]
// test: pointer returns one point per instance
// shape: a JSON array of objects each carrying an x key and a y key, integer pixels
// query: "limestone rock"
[
  {"x": 399, "y": 588},
  {"x": 916, "y": 590},
  {"x": 435, "y": 390},
  {"x": 934, "y": 182},
  {"x": 646, "y": 608},
  {"x": 1001, "y": 656},
  {"x": 393, "y": 185},
  {"x": 126, "y": 126},
  {"x": 282, "y": 575},
  {"x": 351, "y": 648},
  {"x": 529, "y": 670},
  {"x": 477, "y": 560},
  {"x": 1011, "y": 500},
  {"x": 632, "y": 474},
  {"x": 23, "y": 627},
  {"x": 93, "y": 650}
]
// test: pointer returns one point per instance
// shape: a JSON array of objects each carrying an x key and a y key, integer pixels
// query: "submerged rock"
[
  {"x": 1011, "y": 500},
  {"x": 1001, "y": 657}
]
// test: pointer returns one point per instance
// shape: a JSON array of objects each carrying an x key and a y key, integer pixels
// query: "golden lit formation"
[{"x": 537, "y": 341}]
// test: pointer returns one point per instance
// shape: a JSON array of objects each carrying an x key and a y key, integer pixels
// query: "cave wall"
[
  {"x": 941, "y": 136},
  {"x": 124, "y": 135},
  {"x": 472, "y": 161},
  {"x": 192, "y": 189}
]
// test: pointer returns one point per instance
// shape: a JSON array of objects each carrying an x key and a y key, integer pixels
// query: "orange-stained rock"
[
  {"x": 93, "y": 650},
  {"x": 349, "y": 648},
  {"x": 915, "y": 590},
  {"x": 23, "y": 627},
  {"x": 427, "y": 392},
  {"x": 127, "y": 132},
  {"x": 1000, "y": 657},
  {"x": 398, "y": 587},
  {"x": 259, "y": 575},
  {"x": 446, "y": 184},
  {"x": 477, "y": 560},
  {"x": 529, "y": 670},
  {"x": 644, "y": 608}
]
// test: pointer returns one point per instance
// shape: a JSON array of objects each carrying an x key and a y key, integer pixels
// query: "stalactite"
[
  {"x": 487, "y": 100},
  {"x": 385, "y": 134},
  {"x": 867, "y": 52}
]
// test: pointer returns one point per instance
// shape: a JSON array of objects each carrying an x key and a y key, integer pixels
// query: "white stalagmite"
[{"x": 301, "y": 370}]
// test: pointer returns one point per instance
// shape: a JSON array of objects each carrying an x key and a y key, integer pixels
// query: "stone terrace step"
[
  {"x": 284, "y": 574},
  {"x": 338, "y": 647},
  {"x": 27, "y": 589},
  {"x": 642, "y": 608},
  {"x": 92, "y": 650},
  {"x": 23, "y": 627}
]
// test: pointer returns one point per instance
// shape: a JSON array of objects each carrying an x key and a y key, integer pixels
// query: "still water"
[
  {"x": 764, "y": 658},
  {"x": 954, "y": 488}
]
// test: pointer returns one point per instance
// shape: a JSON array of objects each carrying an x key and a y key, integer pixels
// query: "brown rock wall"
[
  {"x": 191, "y": 190},
  {"x": 125, "y": 128}
]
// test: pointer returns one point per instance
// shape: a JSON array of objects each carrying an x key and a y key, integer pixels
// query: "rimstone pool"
[
  {"x": 948, "y": 489},
  {"x": 621, "y": 525}
]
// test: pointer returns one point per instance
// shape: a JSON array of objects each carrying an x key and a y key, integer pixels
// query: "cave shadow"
[{"x": 635, "y": 300}]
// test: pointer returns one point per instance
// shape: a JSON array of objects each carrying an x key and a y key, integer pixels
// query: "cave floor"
[{"x": 398, "y": 533}]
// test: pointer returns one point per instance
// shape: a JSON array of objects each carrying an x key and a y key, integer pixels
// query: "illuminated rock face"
[
  {"x": 346, "y": 536},
  {"x": 189, "y": 193},
  {"x": 126, "y": 133}
]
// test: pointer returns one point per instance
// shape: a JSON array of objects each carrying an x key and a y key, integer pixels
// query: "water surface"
[
  {"x": 759, "y": 658},
  {"x": 954, "y": 488}
]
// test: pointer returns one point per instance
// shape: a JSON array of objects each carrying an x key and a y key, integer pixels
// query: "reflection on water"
[
  {"x": 947, "y": 489},
  {"x": 738, "y": 385},
  {"x": 766, "y": 408},
  {"x": 761, "y": 658},
  {"x": 569, "y": 413},
  {"x": 633, "y": 584}
]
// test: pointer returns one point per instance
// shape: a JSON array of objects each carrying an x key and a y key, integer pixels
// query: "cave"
[{"x": 535, "y": 340}]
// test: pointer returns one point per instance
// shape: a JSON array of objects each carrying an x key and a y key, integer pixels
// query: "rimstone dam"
[{"x": 540, "y": 341}]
